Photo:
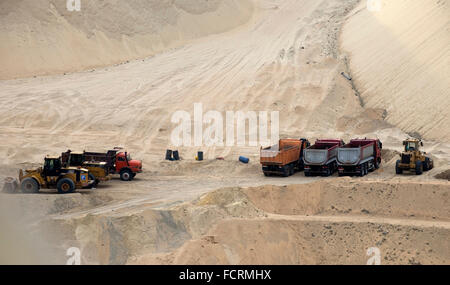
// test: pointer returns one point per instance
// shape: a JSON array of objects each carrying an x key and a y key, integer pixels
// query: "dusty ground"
[{"x": 287, "y": 57}]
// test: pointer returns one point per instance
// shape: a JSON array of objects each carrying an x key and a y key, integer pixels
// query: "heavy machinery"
[
  {"x": 117, "y": 162},
  {"x": 53, "y": 174},
  {"x": 98, "y": 171},
  {"x": 320, "y": 158},
  {"x": 413, "y": 159},
  {"x": 359, "y": 157},
  {"x": 285, "y": 158}
]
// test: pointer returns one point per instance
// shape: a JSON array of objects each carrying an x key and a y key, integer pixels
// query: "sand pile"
[
  {"x": 400, "y": 60},
  {"x": 43, "y": 37},
  {"x": 444, "y": 175}
]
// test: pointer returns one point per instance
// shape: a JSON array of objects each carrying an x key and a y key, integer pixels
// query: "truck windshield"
[{"x": 128, "y": 157}]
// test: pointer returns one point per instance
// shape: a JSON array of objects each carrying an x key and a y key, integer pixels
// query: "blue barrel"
[{"x": 244, "y": 159}]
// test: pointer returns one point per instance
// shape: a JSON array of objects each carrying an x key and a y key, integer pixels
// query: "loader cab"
[
  {"x": 52, "y": 166},
  {"x": 412, "y": 145}
]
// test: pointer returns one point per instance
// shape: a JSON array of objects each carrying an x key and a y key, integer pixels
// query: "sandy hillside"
[
  {"x": 42, "y": 37},
  {"x": 400, "y": 59},
  {"x": 285, "y": 59},
  {"x": 274, "y": 55}
]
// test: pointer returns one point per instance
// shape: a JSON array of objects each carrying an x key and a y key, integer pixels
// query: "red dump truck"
[
  {"x": 359, "y": 157},
  {"x": 117, "y": 162},
  {"x": 285, "y": 158},
  {"x": 320, "y": 158}
]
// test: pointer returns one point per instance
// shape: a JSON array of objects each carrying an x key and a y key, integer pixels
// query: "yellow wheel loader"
[
  {"x": 413, "y": 159},
  {"x": 53, "y": 175}
]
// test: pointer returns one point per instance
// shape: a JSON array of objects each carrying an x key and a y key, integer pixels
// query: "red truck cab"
[{"x": 126, "y": 166}]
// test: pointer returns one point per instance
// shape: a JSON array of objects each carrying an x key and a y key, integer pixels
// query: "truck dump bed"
[
  {"x": 355, "y": 152},
  {"x": 108, "y": 157},
  {"x": 286, "y": 152},
  {"x": 321, "y": 152}
]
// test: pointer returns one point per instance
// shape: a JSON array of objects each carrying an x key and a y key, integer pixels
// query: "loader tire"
[
  {"x": 29, "y": 185},
  {"x": 95, "y": 183},
  {"x": 65, "y": 186},
  {"x": 398, "y": 170},
  {"x": 427, "y": 164},
  {"x": 126, "y": 175},
  {"x": 419, "y": 167}
]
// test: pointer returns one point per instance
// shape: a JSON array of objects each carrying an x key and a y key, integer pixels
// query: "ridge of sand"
[
  {"x": 43, "y": 37},
  {"x": 400, "y": 60}
]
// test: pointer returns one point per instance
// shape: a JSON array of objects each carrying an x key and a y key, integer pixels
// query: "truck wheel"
[
  {"x": 361, "y": 171},
  {"x": 133, "y": 175},
  {"x": 377, "y": 164},
  {"x": 29, "y": 185},
  {"x": 373, "y": 163},
  {"x": 125, "y": 175},
  {"x": 291, "y": 170},
  {"x": 285, "y": 171},
  {"x": 398, "y": 170},
  {"x": 419, "y": 167},
  {"x": 95, "y": 183},
  {"x": 65, "y": 186}
]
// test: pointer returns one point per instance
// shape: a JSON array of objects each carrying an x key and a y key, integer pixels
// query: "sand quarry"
[{"x": 115, "y": 72}]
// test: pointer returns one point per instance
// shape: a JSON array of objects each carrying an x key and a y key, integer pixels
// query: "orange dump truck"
[{"x": 285, "y": 158}]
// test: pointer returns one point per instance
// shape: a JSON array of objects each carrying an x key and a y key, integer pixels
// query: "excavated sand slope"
[
  {"x": 42, "y": 37},
  {"x": 325, "y": 222},
  {"x": 400, "y": 59}
]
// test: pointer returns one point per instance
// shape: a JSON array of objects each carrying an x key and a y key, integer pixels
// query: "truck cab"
[
  {"x": 126, "y": 166},
  {"x": 117, "y": 162}
]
